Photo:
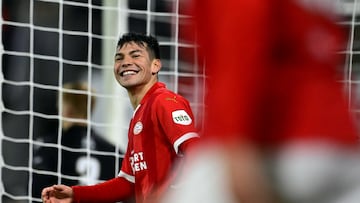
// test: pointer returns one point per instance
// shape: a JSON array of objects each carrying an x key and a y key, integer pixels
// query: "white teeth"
[{"x": 128, "y": 73}]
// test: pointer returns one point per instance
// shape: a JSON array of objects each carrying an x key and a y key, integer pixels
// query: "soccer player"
[
  {"x": 74, "y": 136},
  {"x": 161, "y": 130},
  {"x": 277, "y": 123}
]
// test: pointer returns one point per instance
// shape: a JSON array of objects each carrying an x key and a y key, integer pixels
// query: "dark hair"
[{"x": 147, "y": 41}]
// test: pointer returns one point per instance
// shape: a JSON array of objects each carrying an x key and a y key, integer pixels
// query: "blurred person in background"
[
  {"x": 161, "y": 131},
  {"x": 85, "y": 167},
  {"x": 277, "y": 126}
]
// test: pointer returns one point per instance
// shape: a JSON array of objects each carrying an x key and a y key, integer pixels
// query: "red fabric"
[
  {"x": 272, "y": 72},
  {"x": 189, "y": 145},
  {"x": 161, "y": 123},
  {"x": 114, "y": 190}
]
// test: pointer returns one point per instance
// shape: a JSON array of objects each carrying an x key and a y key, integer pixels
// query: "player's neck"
[{"x": 137, "y": 94}]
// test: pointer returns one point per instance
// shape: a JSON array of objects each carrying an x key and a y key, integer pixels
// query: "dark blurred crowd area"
[{"x": 31, "y": 76}]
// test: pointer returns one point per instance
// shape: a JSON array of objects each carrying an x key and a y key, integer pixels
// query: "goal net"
[{"x": 48, "y": 43}]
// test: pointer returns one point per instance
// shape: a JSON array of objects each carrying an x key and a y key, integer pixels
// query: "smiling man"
[{"x": 161, "y": 130}]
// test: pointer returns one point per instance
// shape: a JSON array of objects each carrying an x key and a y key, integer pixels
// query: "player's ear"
[{"x": 156, "y": 66}]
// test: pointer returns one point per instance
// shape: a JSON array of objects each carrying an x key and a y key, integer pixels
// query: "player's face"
[{"x": 133, "y": 66}]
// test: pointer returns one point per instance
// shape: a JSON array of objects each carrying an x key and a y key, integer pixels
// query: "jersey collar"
[{"x": 156, "y": 86}]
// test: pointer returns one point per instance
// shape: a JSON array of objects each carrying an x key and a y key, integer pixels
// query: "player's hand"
[{"x": 57, "y": 194}]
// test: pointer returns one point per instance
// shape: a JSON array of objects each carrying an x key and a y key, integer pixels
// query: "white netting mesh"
[{"x": 46, "y": 43}]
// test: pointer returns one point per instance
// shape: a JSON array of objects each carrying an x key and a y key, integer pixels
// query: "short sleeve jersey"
[{"x": 162, "y": 121}]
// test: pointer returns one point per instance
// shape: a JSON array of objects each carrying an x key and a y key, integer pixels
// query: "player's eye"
[{"x": 118, "y": 58}]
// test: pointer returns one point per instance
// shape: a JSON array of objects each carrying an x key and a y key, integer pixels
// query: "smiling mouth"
[{"x": 128, "y": 72}]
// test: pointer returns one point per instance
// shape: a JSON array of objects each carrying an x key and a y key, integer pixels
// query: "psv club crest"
[{"x": 138, "y": 128}]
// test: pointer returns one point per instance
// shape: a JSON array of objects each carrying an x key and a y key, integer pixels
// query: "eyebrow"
[{"x": 131, "y": 52}]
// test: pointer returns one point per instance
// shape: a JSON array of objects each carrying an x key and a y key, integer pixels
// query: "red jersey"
[
  {"x": 160, "y": 124},
  {"x": 272, "y": 72}
]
